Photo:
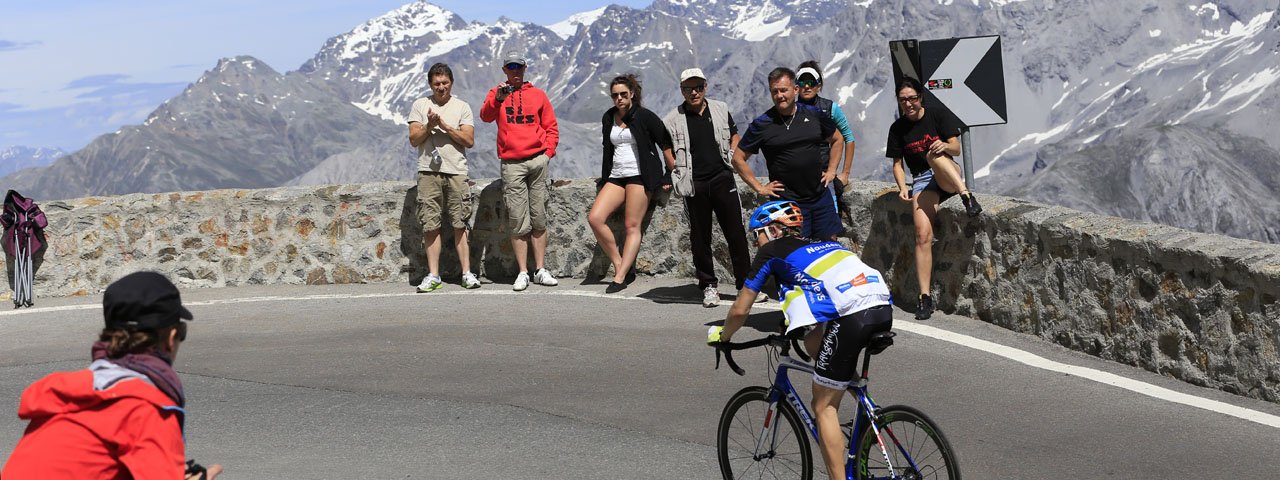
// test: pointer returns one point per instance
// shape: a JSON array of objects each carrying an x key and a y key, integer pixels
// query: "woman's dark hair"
[
  {"x": 814, "y": 65},
  {"x": 632, "y": 83},
  {"x": 121, "y": 342},
  {"x": 440, "y": 69},
  {"x": 908, "y": 82}
]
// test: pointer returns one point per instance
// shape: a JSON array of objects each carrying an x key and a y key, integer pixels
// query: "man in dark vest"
[{"x": 704, "y": 136}]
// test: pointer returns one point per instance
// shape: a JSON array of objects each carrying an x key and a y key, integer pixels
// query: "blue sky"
[{"x": 71, "y": 70}]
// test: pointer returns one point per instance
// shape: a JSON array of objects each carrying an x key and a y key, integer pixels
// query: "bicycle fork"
[{"x": 768, "y": 435}]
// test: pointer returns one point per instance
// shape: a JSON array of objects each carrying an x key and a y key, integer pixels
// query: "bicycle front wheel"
[
  {"x": 913, "y": 448},
  {"x": 753, "y": 444}
]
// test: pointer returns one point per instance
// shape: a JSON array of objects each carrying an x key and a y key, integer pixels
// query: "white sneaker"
[
  {"x": 470, "y": 281},
  {"x": 543, "y": 277},
  {"x": 522, "y": 282},
  {"x": 710, "y": 296},
  {"x": 430, "y": 283}
]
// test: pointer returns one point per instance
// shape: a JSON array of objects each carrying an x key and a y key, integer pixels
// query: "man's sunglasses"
[
  {"x": 513, "y": 66},
  {"x": 695, "y": 88}
]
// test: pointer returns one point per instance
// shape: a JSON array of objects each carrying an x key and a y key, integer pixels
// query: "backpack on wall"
[{"x": 23, "y": 233}]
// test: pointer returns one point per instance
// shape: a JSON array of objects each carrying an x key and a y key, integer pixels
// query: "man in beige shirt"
[{"x": 441, "y": 127}]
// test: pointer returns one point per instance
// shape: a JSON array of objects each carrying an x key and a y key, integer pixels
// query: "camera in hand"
[{"x": 507, "y": 89}]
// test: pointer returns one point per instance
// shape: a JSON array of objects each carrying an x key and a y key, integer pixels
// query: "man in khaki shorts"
[
  {"x": 441, "y": 127},
  {"x": 527, "y": 139}
]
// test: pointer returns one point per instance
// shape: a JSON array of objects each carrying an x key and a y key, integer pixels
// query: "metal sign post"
[
  {"x": 966, "y": 156},
  {"x": 966, "y": 75}
]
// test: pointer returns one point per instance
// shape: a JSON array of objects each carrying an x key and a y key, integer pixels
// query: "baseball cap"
[
  {"x": 143, "y": 301},
  {"x": 692, "y": 73},
  {"x": 810, "y": 72},
  {"x": 514, "y": 57}
]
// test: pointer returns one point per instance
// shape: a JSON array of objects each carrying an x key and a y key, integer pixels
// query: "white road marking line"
[
  {"x": 1099, "y": 376},
  {"x": 1020, "y": 356}
]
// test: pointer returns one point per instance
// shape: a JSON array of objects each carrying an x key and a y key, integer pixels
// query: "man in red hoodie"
[
  {"x": 122, "y": 417},
  {"x": 527, "y": 139}
]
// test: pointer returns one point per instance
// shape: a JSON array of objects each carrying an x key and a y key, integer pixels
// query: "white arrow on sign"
[{"x": 965, "y": 104}]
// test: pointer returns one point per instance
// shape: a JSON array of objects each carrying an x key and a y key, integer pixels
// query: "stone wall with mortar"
[{"x": 1202, "y": 308}]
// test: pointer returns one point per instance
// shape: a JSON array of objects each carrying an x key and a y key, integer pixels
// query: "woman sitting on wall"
[{"x": 630, "y": 172}]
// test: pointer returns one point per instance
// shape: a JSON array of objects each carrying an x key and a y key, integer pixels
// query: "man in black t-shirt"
[
  {"x": 927, "y": 142},
  {"x": 704, "y": 136},
  {"x": 791, "y": 136}
]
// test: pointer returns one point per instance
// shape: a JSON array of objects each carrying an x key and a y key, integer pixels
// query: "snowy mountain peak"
[
  {"x": 413, "y": 20},
  {"x": 569, "y": 26},
  {"x": 243, "y": 63}
]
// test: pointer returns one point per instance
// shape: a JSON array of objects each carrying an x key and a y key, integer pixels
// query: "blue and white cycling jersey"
[{"x": 817, "y": 281}]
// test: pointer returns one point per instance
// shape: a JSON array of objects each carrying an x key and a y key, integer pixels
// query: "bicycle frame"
[{"x": 782, "y": 388}]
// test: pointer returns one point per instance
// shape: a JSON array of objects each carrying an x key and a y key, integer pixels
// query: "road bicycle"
[{"x": 764, "y": 432}]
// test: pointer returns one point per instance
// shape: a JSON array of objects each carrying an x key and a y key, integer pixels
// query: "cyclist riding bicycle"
[{"x": 826, "y": 290}]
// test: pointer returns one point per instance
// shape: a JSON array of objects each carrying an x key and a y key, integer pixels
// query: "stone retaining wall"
[{"x": 1202, "y": 308}]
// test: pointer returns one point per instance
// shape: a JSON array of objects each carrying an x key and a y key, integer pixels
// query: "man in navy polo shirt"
[{"x": 791, "y": 136}]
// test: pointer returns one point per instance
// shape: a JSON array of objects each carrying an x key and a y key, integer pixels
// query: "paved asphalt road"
[{"x": 374, "y": 382}]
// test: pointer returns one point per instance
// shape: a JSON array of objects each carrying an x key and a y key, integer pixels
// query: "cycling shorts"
[{"x": 843, "y": 341}]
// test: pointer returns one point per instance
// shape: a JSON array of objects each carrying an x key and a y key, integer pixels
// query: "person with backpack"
[{"x": 123, "y": 416}]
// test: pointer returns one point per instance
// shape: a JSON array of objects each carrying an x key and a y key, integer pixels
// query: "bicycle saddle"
[{"x": 880, "y": 341}]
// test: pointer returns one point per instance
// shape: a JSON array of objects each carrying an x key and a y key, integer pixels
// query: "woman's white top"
[{"x": 624, "y": 153}]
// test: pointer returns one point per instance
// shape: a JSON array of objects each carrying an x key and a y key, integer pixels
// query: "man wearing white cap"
[{"x": 704, "y": 136}]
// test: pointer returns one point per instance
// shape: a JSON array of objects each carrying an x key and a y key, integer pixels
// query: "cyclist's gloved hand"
[{"x": 713, "y": 335}]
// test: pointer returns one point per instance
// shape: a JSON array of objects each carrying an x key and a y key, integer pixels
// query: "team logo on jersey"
[{"x": 863, "y": 279}]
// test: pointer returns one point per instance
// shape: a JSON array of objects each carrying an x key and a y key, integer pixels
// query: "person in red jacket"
[
  {"x": 527, "y": 139},
  {"x": 122, "y": 417}
]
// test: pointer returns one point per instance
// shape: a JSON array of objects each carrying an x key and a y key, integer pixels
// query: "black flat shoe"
[
  {"x": 971, "y": 204},
  {"x": 615, "y": 287}
]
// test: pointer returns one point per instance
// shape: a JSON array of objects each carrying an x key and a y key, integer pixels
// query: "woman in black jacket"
[{"x": 632, "y": 170}]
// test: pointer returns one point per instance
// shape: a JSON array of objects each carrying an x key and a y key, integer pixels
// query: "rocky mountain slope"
[{"x": 1085, "y": 80}]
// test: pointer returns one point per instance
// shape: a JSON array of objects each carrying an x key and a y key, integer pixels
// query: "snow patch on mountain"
[
  {"x": 1238, "y": 33},
  {"x": 569, "y": 26},
  {"x": 1255, "y": 85},
  {"x": 755, "y": 25}
]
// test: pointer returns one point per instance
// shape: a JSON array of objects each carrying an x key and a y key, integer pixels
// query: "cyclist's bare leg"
[
  {"x": 813, "y": 340},
  {"x": 826, "y": 407}
]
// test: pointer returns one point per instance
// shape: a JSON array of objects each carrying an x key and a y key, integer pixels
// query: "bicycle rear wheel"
[
  {"x": 910, "y": 438},
  {"x": 783, "y": 452}
]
